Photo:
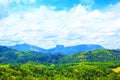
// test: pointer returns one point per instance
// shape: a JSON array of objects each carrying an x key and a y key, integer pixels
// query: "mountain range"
[
  {"x": 22, "y": 53},
  {"x": 58, "y": 49},
  {"x": 12, "y": 56},
  {"x": 100, "y": 64}
]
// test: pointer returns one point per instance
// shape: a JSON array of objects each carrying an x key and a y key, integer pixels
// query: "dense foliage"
[
  {"x": 19, "y": 57},
  {"x": 101, "y": 55},
  {"x": 78, "y": 71},
  {"x": 30, "y": 65}
]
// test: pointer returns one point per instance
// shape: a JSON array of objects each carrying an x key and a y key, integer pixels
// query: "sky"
[{"x": 47, "y": 23}]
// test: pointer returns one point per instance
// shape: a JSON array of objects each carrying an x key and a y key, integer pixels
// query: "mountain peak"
[
  {"x": 26, "y": 47},
  {"x": 58, "y": 49},
  {"x": 25, "y": 44},
  {"x": 59, "y": 46}
]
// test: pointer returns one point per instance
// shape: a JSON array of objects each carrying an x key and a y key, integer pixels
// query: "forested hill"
[
  {"x": 12, "y": 56},
  {"x": 8, "y": 55},
  {"x": 100, "y": 55},
  {"x": 99, "y": 64}
]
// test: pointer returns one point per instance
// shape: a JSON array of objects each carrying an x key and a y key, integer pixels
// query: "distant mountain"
[
  {"x": 12, "y": 56},
  {"x": 73, "y": 49},
  {"x": 58, "y": 49},
  {"x": 118, "y": 49},
  {"x": 92, "y": 56},
  {"x": 26, "y": 47}
]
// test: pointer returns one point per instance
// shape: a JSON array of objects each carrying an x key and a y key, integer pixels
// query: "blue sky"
[{"x": 46, "y": 23}]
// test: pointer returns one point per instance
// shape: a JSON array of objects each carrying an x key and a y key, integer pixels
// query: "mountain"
[
  {"x": 31, "y": 65},
  {"x": 12, "y": 56},
  {"x": 73, "y": 49},
  {"x": 99, "y": 55},
  {"x": 101, "y": 64},
  {"x": 58, "y": 49},
  {"x": 7, "y": 55},
  {"x": 26, "y": 47},
  {"x": 118, "y": 49}
]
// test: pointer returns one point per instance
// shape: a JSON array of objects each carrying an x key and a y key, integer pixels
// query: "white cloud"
[
  {"x": 5, "y": 2},
  {"x": 8, "y": 2},
  {"x": 114, "y": 8},
  {"x": 46, "y": 27},
  {"x": 32, "y": 1}
]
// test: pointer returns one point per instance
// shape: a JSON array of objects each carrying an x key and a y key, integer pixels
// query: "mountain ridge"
[
  {"x": 13, "y": 56},
  {"x": 58, "y": 49},
  {"x": 102, "y": 64}
]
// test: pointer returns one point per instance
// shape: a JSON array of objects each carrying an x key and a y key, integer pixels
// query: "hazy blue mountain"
[
  {"x": 118, "y": 49},
  {"x": 58, "y": 49},
  {"x": 26, "y": 47},
  {"x": 73, "y": 49}
]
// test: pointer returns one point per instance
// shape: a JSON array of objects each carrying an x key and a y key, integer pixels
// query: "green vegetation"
[
  {"x": 76, "y": 71},
  {"x": 30, "y": 65},
  {"x": 101, "y": 55},
  {"x": 11, "y": 56}
]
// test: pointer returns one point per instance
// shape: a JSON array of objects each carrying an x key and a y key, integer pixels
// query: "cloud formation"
[{"x": 46, "y": 27}]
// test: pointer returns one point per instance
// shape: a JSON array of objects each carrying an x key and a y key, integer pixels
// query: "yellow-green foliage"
[
  {"x": 73, "y": 71},
  {"x": 116, "y": 70},
  {"x": 19, "y": 54},
  {"x": 82, "y": 55},
  {"x": 101, "y": 51}
]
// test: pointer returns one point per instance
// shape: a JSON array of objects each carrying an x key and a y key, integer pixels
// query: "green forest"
[{"x": 102, "y": 64}]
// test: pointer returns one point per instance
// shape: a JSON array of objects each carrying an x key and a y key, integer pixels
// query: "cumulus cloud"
[
  {"x": 8, "y": 2},
  {"x": 46, "y": 27},
  {"x": 5, "y": 2}
]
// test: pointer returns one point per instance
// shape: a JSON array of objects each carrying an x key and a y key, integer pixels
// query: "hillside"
[
  {"x": 99, "y": 64},
  {"x": 93, "y": 56},
  {"x": 8, "y": 55},
  {"x": 12, "y": 56}
]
